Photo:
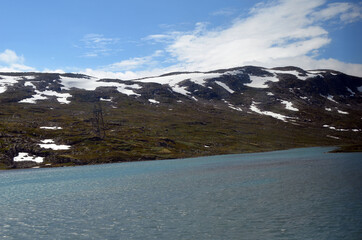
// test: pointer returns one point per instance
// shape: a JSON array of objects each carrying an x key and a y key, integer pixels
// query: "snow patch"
[
  {"x": 51, "y": 128},
  {"x": 82, "y": 83},
  {"x": 33, "y": 99},
  {"x": 181, "y": 89},
  {"x": 174, "y": 80},
  {"x": 92, "y": 83},
  {"x": 29, "y": 77},
  {"x": 23, "y": 156},
  {"x": 342, "y": 112},
  {"x": 296, "y": 73},
  {"x": 337, "y": 129},
  {"x": 6, "y": 81},
  {"x": 232, "y": 106},
  {"x": 226, "y": 87},
  {"x": 328, "y": 109},
  {"x": 349, "y": 90},
  {"x": 153, "y": 101},
  {"x": 260, "y": 82},
  {"x": 29, "y": 84},
  {"x": 61, "y": 97},
  {"x": 278, "y": 116},
  {"x": 49, "y": 144},
  {"x": 333, "y": 137},
  {"x": 235, "y": 108},
  {"x": 330, "y": 98},
  {"x": 106, "y": 99},
  {"x": 289, "y": 106},
  {"x": 128, "y": 89}
]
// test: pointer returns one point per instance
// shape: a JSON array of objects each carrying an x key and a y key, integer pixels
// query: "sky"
[{"x": 135, "y": 38}]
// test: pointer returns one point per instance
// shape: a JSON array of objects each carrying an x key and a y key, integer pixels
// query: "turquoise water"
[{"x": 294, "y": 194}]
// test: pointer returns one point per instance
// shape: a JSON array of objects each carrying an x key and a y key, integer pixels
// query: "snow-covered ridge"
[
  {"x": 200, "y": 78},
  {"x": 308, "y": 74},
  {"x": 92, "y": 83},
  {"x": 173, "y": 80},
  {"x": 253, "y": 77}
]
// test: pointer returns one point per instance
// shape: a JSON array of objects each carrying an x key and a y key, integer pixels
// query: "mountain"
[{"x": 51, "y": 119}]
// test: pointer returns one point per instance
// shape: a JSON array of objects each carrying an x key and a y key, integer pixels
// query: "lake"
[{"x": 293, "y": 194}]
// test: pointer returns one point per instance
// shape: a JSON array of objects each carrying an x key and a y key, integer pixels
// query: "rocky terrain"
[{"x": 50, "y": 119}]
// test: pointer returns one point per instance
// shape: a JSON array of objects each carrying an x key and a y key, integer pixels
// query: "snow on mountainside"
[
  {"x": 51, "y": 118},
  {"x": 253, "y": 77},
  {"x": 237, "y": 89}
]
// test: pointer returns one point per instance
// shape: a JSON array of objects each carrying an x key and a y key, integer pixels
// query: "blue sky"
[{"x": 135, "y": 38}]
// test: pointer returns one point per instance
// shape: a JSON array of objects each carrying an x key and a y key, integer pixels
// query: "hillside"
[{"x": 50, "y": 119}]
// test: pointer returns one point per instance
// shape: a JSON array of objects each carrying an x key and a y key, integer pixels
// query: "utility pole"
[{"x": 98, "y": 121}]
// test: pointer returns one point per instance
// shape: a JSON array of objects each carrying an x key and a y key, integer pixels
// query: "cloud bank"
[
  {"x": 274, "y": 33},
  {"x": 11, "y": 62}
]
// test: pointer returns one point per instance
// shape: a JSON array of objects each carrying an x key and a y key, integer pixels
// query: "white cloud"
[
  {"x": 347, "y": 12},
  {"x": 134, "y": 63},
  {"x": 11, "y": 62},
  {"x": 160, "y": 37},
  {"x": 224, "y": 12},
  {"x": 109, "y": 74},
  {"x": 276, "y": 32},
  {"x": 10, "y": 57},
  {"x": 261, "y": 37},
  {"x": 47, "y": 70},
  {"x": 97, "y": 45},
  {"x": 309, "y": 63},
  {"x": 128, "y": 64}
]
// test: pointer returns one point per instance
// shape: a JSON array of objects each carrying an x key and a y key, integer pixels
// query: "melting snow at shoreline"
[{"x": 23, "y": 156}]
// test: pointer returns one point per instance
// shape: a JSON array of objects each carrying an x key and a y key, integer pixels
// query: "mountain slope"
[{"x": 62, "y": 119}]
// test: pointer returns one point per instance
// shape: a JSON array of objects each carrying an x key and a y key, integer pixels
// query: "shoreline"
[{"x": 337, "y": 149}]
